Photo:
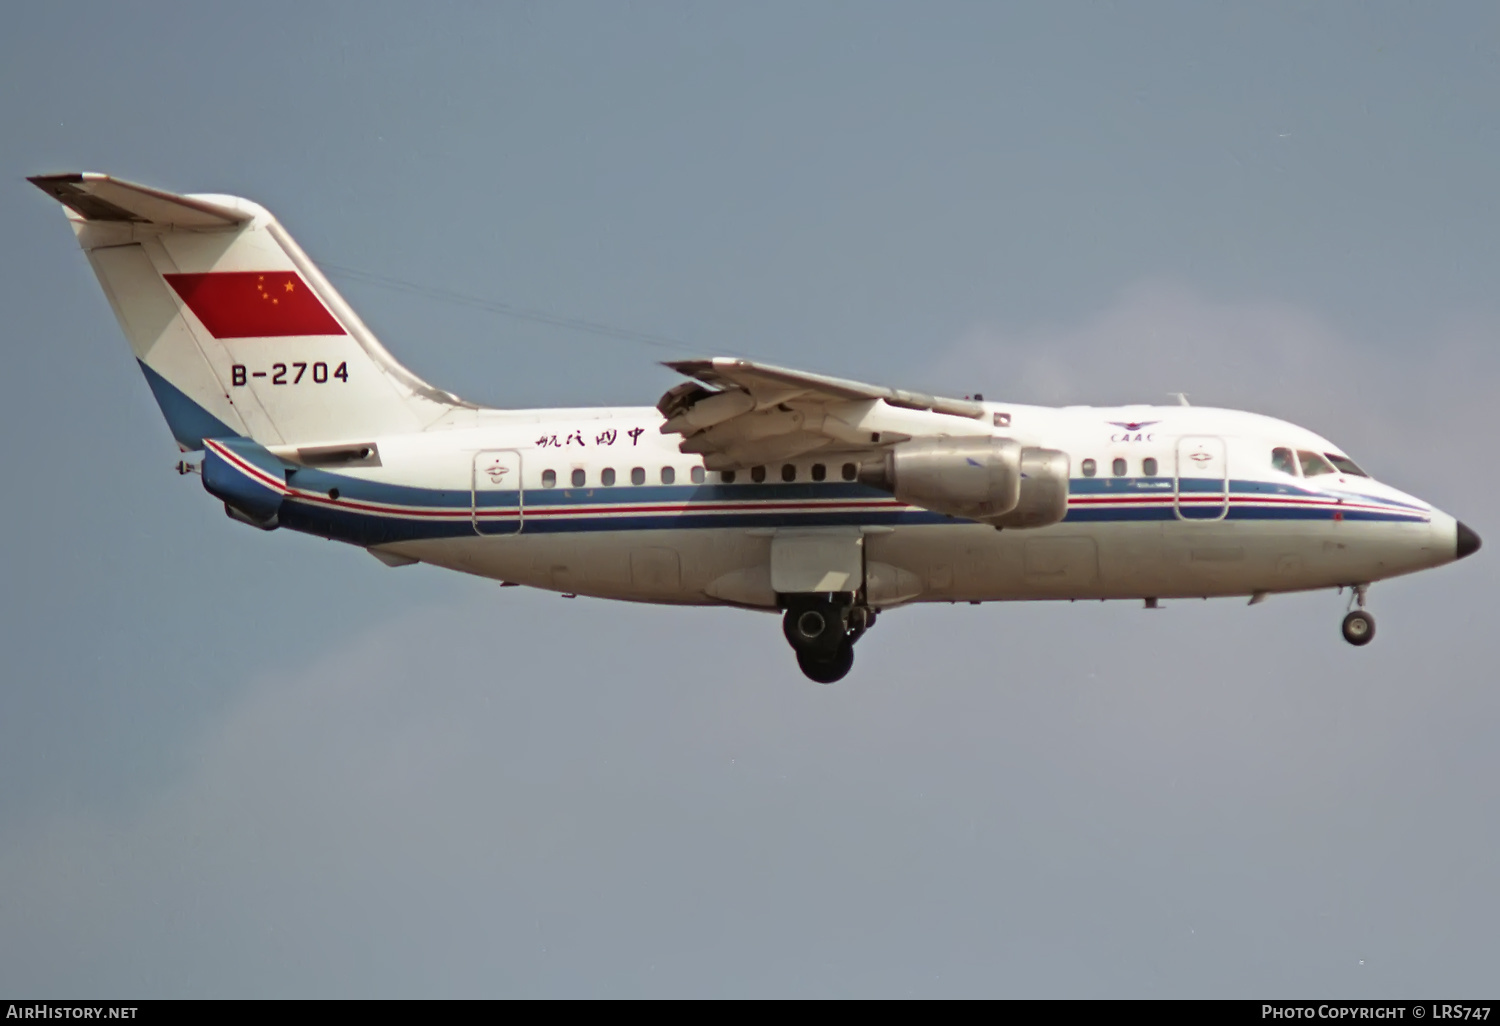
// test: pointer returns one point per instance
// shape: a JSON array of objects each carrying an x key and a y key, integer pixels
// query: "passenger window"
[
  {"x": 549, "y": 479},
  {"x": 607, "y": 476},
  {"x": 668, "y": 475},
  {"x": 1284, "y": 461},
  {"x": 1090, "y": 468},
  {"x": 819, "y": 472},
  {"x": 579, "y": 477},
  {"x": 727, "y": 477},
  {"x": 638, "y": 475},
  {"x": 757, "y": 474},
  {"x": 1313, "y": 464},
  {"x": 788, "y": 472},
  {"x": 851, "y": 471},
  {"x": 1345, "y": 464},
  {"x": 1118, "y": 468},
  {"x": 697, "y": 475},
  {"x": 1148, "y": 466}
]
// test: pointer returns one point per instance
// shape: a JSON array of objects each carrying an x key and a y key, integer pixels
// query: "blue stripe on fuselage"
[
  {"x": 315, "y": 480},
  {"x": 551, "y": 511}
]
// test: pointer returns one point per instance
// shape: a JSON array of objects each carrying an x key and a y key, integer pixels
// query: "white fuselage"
[{"x": 607, "y": 506}]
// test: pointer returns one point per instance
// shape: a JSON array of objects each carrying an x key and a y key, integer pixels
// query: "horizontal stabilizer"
[{"x": 96, "y": 197}]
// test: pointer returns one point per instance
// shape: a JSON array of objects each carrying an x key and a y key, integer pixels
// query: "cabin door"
[
  {"x": 495, "y": 491},
  {"x": 1202, "y": 478}
]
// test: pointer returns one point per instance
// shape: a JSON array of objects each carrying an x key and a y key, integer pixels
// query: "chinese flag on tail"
[{"x": 254, "y": 304}]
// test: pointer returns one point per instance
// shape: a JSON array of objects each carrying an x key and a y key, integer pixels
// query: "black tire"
[
  {"x": 1359, "y": 628},
  {"x": 826, "y": 671},
  {"x": 815, "y": 628}
]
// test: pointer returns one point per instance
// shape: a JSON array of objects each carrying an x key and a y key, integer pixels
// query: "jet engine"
[
  {"x": 1044, "y": 490},
  {"x": 993, "y": 480}
]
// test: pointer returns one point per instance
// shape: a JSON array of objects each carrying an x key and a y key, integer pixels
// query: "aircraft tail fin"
[{"x": 237, "y": 331}]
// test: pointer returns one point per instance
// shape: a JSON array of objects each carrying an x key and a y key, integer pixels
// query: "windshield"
[
  {"x": 1345, "y": 464},
  {"x": 1284, "y": 461},
  {"x": 1313, "y": 464}
]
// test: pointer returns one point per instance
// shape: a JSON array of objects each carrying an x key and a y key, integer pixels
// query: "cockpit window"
[
  {"x": 1284, "y": 461},
  {"x": 1313, "y": 464},
  {"x": 1345, "y": 464}
]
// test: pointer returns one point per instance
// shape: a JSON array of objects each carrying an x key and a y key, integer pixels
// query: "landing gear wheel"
[
  {"x": 814, "y": 629},
  {"x": 1359, "y": 628},
  {"x": 826, "y": 671}
]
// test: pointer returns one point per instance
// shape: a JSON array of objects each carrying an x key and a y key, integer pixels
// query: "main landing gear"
[
  {"x": 822, "y": 630},
  {"x": 1359, "y": 626}
]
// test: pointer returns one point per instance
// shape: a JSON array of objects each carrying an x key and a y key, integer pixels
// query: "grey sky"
[{"x": 245, "y": 764}]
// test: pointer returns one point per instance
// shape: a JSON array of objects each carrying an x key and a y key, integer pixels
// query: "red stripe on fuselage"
[
  {"x": 746, "y": 506},
  {"x": 247, "y": 468}
]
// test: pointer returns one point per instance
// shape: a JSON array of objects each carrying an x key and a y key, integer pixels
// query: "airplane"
[{"x": 823, "y": 500}]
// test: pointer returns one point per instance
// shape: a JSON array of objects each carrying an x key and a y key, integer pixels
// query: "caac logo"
[
  {"x": 1133, "y": 431},
  {"x": 497, "y": 472}
]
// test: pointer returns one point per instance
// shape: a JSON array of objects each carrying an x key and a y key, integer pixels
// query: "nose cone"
[{"x": 1468, "y": 541}]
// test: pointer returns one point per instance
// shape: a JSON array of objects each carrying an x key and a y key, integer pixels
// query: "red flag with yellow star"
[{"x": 254, "y": 304}]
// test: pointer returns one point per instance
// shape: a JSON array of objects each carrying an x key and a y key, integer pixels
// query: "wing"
[{"x": 740, "y": 413}]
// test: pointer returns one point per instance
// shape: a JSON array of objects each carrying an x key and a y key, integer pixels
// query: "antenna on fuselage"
[{"x": 1181, "y": 398}]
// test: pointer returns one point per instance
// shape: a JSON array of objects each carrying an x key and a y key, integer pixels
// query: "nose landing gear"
[
  {"x": 822, "y": 631},
  {"x": 1359, "y": 626}
]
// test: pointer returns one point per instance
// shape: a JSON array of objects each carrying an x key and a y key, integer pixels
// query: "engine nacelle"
[
  {"x": 974, "y": 477},
  {"x": 1044, "y": 490},
  {"x": 992, "y": 480}
]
